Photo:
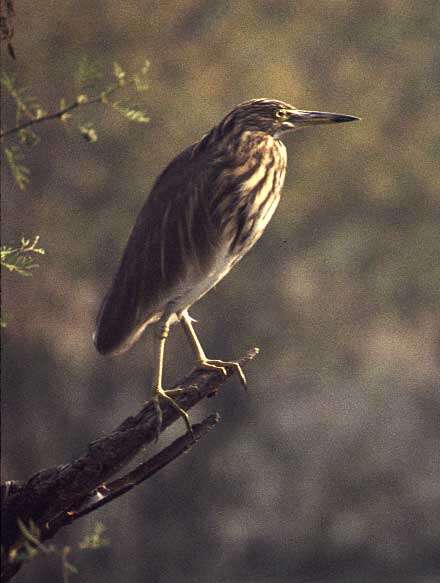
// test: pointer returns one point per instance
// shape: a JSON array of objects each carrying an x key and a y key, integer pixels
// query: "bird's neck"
[
  {"x": 237, "y": 145},
  {"x": 248, "y": 143}
]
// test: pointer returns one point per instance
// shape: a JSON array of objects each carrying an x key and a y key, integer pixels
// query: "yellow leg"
[
  {"x": 202, "y": 360},
  {"x": 162, "y": 331}
]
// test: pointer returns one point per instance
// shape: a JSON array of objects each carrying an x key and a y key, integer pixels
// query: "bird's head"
[{"x": 276, "y": 117}]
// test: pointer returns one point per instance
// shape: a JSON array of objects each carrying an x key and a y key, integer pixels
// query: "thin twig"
[
  {"x": 112, "y": 490},
  {"x": 59, "y": 114}
]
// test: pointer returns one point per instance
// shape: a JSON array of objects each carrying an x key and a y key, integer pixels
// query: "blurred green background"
[{"x": 329, "y": 468}]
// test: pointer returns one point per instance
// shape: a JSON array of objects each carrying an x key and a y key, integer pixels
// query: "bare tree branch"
[
  {"x": 112, "y": 490},
  {"x": 56, "y": 497}
]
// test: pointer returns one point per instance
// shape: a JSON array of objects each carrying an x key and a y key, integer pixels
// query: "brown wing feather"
[{"x": 173, "y": 230}]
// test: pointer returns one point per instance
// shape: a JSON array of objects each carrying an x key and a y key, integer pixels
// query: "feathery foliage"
[
  {"x": 91, "y": 88},
  {"x": 14, "y": 155},
  {"x": 33, "y": 547},
  {"x": 88, "y": 73},
  {"x": 27, "y": 105},
  {"x": 21, "y": 259},
  {"x": 130, "y": 112},
  {"x": 95, "y": 540}
]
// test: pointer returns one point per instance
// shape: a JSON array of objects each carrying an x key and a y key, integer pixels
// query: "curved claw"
[
  {"x": 211, "y": 365},
  {"x": 223, "y": 365},
  {"x": 159, "y": 393}
]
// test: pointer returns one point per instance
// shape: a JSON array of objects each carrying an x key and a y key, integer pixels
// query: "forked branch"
[{"x": 58, "y": 496}]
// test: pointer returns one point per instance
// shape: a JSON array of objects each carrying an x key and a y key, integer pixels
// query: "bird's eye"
[{"x": 282, "y": 114}]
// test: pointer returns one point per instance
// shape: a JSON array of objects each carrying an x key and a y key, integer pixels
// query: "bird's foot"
[
  {"x": 222, "y": 366},
  {"x": 158, "y": 394}
]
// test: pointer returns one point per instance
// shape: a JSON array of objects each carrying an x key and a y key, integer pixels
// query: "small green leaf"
[
  {"x": 140, "y": 84},
  {"x": 31, "y": 532},
  {"x": 88, "y": 73},
  {"x": 20, "y": 259},
  {"x": 119, "y": 73},
  {"x": 69, "y": 567},
  {"x": 28, "y": 137},
  {"x": 88, "y": 132},
  {"x": 19, "y": 172},
  {"x": 95, "y": 540},
  {"x": 130, "y": 113},
  {"x": 26, "y": 105}
]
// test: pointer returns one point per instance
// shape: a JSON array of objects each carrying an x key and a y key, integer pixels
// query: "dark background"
[{"x": 328, "y": 469}]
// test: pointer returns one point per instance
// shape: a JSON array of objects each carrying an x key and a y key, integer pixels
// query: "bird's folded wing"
[{"x": 173, "y": 234}]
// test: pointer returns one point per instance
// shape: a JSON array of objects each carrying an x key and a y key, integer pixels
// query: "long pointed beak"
[{"x": 302, "y": 118}]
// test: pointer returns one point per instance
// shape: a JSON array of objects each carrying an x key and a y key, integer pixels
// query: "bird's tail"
[{"x": 117, "y": 327}]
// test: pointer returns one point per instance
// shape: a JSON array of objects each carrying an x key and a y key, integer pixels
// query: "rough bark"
[{"x": 56, "y": 497}]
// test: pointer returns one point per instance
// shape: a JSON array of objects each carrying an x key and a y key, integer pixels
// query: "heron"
[{"x": 206, "y": 210}]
